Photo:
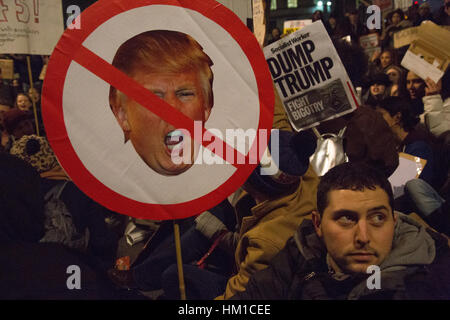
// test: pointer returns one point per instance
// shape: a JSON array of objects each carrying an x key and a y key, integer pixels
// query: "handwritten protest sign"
[
  {"x": 429, "y": 54},
  {"x": 310, "y": 78},
  {"x": 24, "y": 30},
  {"x": 259, "y": 23}
]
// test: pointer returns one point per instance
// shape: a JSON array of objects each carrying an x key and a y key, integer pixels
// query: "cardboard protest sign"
[
  {"x": 409, "y": 167},
  {"x": 370, "y": 44},
  {"x": 405, "y": 37},
  {"x": 429, "y": 55},
  {"x": 259, "y": 21},
  {"x": 7, "y": 66},
  {"x": 115, "y": 131},
  {"x": 290, "y": 26},
  {"x": 309, "y": 77},
  {"x": 30, "y": 26}
]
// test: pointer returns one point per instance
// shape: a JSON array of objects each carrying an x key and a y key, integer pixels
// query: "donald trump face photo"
[{"x": 174, "y": 67}]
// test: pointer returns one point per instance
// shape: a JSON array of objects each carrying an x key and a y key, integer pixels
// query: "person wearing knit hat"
[{"x": 36, "y": 151}]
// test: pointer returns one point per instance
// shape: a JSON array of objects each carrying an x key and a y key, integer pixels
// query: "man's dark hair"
[{"x": 351, "y": 176}]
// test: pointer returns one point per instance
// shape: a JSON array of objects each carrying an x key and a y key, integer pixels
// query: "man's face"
[
  {"x": 150, "y": 135},
  {"x": 357, "y": 228},
  {"x": 385, "y": 59},
  {"x": 415, "y": 86},
  {"x": 395, "y": 19}
]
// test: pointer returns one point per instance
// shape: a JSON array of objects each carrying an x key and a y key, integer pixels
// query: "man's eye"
[{"x": 378, "y": 219}]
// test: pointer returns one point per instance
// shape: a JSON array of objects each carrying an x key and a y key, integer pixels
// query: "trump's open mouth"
[{"x": 174, "y": 139}]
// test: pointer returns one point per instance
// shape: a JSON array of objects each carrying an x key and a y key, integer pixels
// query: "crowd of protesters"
[{"x": 254, "y": 244}]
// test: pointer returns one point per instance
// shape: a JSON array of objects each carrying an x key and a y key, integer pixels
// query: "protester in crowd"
[
  {"x": 23, "y": 102},
  {"x": 381, "y": 62},
  {"x": 443, "y": 15},
  {"x": 367, "y": 136},
  {"x": 412, "y": 139},
  {"x": 437, "y": 105},
  {"x": 354, "y": 233},
  {"x": 433, "y": 203},
  {"x": 397, "y": 77},
  {"x": 86, "y": 214},
  {"x": 379, "y": 88},
  {"x": 16, "y": 124},
  {"x": 146, "y": 273},
  {"x": 28, "y": 269},
  {"x": 393, "y": 25},
  {"x": 424, "y": 14},
  {"x": 276, "y": 35},
  {"x": 317, "y": 15},
  {"x": 270, "y": 211},
  {"x": 416, "y": 90},
  {"x": 332, "y": 26},
  {"x": 6, "y": 92},
  {"x": 355, "y": 27}
]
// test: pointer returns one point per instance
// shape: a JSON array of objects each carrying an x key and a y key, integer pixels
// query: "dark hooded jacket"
[{"x": 416, "y": 268}]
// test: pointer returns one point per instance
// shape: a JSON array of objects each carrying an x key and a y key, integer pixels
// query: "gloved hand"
[{"x": 209, "y": 225}]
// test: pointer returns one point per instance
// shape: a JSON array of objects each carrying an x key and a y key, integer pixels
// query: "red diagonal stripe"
[{"x": 147, "y": 99}]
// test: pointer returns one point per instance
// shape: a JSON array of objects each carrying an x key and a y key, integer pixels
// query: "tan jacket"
[{"x": 265, "y": 232}]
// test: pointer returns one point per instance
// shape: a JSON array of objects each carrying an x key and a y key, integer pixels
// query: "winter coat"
[
  {"x": 437, "y": 114},
  {"x": 416, "y": 268},
  {"x": 266, "y": 227}
]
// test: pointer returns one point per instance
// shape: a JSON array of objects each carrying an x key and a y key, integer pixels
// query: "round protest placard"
[{"x": 146, "y": 103}]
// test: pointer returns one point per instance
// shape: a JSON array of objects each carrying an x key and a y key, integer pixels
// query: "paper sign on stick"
[
  {"x": 259, "y": 23},
  {"x": 310, "y": 78}
]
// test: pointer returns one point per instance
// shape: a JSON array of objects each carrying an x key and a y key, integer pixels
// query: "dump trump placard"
[{"x": 310, "y": 78}]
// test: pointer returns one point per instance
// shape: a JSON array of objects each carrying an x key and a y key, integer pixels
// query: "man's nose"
[{"x": 362, "y": 235}]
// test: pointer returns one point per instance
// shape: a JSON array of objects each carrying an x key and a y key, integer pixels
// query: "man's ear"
[
  {"x": 120, "y": 113},
  {"x": 317, "y": 221},
  {"x": 395, "y": 216}
]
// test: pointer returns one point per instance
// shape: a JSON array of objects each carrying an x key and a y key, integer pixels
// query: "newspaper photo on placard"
[{"x": 310, "y": 77}]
